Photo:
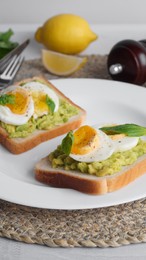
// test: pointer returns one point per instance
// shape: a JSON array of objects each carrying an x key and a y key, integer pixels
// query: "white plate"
[{"x": 105, "y": 101}]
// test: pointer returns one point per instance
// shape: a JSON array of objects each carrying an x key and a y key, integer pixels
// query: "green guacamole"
[
  {"x": 64, "y": 113},
  {"x": 107, "y": 167}
]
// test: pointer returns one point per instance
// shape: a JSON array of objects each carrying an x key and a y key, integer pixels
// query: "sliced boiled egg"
[
  {"x": 91, "y": 144},
  {"x": 22, "y": 109},
  {"x": 38, "y": 92},
  {"x": 123, "y": 143}
]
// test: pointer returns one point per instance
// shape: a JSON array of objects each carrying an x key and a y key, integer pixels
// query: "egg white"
[
  {"x": 104, "y": 151},
  {"x": 126, "y": 143},
  {"x": 37, "y": 86},
  {"x": 8, "y": 117},
  {"x": 123, "y": 144}
]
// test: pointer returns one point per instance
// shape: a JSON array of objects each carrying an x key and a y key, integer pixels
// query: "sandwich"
[
  {"x": 33, "y": 111},
  {"x": 96, "y": 160}
]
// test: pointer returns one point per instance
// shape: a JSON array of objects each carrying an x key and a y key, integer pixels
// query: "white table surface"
[{"x": 12, "y": 250}]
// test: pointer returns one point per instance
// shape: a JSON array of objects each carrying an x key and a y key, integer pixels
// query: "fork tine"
[
  {"x": 9, "y": 74},
  {"x": 17, "y": 51},
  {"x": 16, "y": 65},
  {"x": 13, "y": 67},
  {"x": 11, "y": 64},
  {"x": 19, "y": 63}
]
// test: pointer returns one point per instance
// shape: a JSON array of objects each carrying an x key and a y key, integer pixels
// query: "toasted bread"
[
  {"x": 88, "y": 183},
  {"x": 20, "y": 145}
]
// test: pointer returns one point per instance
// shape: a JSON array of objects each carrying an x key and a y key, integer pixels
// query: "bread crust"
[
  {"x": 87, "y": 183},
  {"x": 20, "y": 145}
]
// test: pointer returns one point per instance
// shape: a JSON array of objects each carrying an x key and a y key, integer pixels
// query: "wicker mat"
[{"x": 105, "y": 227}]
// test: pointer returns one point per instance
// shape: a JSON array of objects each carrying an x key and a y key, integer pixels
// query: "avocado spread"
[
  {"x": 46, "y": 122},
  {"x": 107, "y": 167}
]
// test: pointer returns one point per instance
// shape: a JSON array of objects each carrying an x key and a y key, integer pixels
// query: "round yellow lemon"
[
  {"x": 65, "y": 33},
  {"x": 61, "y": 64}
]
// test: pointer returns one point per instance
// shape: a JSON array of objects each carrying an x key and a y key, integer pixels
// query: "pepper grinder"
[{"x": 127, "y": 61}]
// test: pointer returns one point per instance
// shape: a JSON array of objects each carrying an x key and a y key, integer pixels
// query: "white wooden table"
[{"x": 12, "y": 250}]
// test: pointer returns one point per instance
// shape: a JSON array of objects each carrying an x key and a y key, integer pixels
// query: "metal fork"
[
  {"x": 17, "y": 51},
  {"x": 9, "y": 73}
]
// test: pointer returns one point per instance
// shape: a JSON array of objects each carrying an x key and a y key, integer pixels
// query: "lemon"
[
  {"x": 65, "y": 33},
  {"x": 61, "y": 64}
]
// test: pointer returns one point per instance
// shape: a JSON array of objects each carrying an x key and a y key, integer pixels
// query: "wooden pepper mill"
[{"x": 127, "y": 61}]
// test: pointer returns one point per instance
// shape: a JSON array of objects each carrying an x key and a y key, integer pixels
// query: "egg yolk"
[
  {"x": 117, "y": 136},
  {"x": 40, "y": 105},
  {"x": 22, "y": 99},
  {"x": 85, "y": 140}
]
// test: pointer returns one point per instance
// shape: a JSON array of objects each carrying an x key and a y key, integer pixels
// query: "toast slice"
[
  {"x": 19, "y": 145},
  {"x": 88, "y": 183}
]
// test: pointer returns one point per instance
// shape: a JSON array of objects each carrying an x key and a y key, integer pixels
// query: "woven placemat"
[
  {"x": 94, "y": 68},
  {"x": 105, "y": 227}
]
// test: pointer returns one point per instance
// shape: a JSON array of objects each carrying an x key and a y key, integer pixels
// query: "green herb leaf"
[
  {"x": 67, "y": 143},
  {"x": 127, "y": 129},
  {"x": 7, "y": 99},
  {"x": 50, "y": 104},
  {"x": 5, "y": 44},
  {"x": 5, "y": 36}
]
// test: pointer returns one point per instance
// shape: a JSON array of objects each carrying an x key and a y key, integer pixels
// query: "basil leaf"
[
  {"x": 6, "y": 35},
  {"x": 7, "y": 99},
  {"x": 8, "y": 45},
  {"x": 5, "y": 44},
  {"x": 127, "y": 129},
  {"x": 67, "y": 143},
  {"x": 50, "y": 104}
]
